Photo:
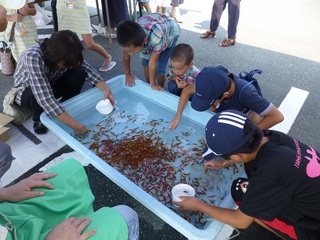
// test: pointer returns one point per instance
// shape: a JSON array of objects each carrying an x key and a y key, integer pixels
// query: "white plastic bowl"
[
  {"x": 180, "y": 190},
  {"x": 104, "y": 106},
  {"x": 13, "y": 4}
]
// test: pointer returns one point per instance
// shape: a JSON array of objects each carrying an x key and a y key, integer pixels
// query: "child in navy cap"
[
  {"x": 283, "y": 188},
  {"x": 218, "y": 90}
]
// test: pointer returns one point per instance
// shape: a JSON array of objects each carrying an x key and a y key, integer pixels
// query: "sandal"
[
  {"x": 228, "y": 42},
  {"x": 111, "y": 35},
  {"x": 208, "y": 34},
  {"x": 107, "y": 67}
]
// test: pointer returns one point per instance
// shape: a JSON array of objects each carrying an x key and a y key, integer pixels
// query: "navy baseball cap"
[
  {"x": 210, "y": 84},
  {"x": 225, "y": 133}
]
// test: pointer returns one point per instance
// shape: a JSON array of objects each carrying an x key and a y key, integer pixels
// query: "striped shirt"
[
  {"x": 189, "y": 76},
  {"x": 23, "y": 41},
  {"x": 74, "y": 17},
  {"x": 32, "y": 71},
  {"x": 162, "y": 32}
]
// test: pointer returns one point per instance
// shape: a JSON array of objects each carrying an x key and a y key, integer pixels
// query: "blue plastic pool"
[{"x": 134, "y": 148}]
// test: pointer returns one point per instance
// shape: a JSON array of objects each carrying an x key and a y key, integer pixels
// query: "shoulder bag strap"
[{"x": 12, "y": 32}]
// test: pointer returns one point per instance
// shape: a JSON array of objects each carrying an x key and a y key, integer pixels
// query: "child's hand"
[
  {"x": 213, "y": 108},
  {"x": 188, "y": 203},
  {"x": 216, "y": 165},
  {"x": 15, "y": 17},
  {"x": 182, "y": 84},
  {"x": 175, "y": 78},
  {"x": 83, "y": 131},
  {"x": 130, "y": 80},
  {"x": 71, "y": 228},
  {"x": 174, "y": 123},
  {"x": 156, "y": 87}
]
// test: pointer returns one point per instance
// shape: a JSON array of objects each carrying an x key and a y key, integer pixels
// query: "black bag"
[{"x": 251, "y": 80}]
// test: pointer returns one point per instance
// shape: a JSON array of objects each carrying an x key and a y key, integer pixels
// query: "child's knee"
[
  {"x": 172, "y": 86},
  {"x": 91, "y": 45}
]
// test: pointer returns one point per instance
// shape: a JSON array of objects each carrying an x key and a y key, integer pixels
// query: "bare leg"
[
  {"x": 161, "y": 80},
  {"x": 146, "y": 74},
  {"x": 161, "y": 9},
  {"x": 90, "y": 44},
  {"x": 175, "y": 14},
  {"x": 147, "y": 7},
  {"x": 112, "y": 30}
]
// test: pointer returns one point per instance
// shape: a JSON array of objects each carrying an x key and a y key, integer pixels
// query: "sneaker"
[
  {"x": 111, "y": 35},
  {"x": 39, "y": 128}
]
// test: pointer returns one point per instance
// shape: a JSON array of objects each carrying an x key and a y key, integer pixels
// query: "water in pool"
[{"x": 135, "y": 140}]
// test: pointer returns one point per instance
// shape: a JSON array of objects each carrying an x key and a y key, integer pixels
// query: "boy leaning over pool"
[
  {"x": 217, "y": 89},
  {"x": 282, "y": 191},
  {"x": 152, "y": 37}
]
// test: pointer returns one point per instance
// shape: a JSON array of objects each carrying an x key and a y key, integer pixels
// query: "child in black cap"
[
  {"x": 217, "y": 89},
  {"x": 283, "y": 188}
]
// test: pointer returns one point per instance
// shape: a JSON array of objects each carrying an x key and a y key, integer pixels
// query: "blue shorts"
[
  {"x": 173, "y": 88},
  {"x": 162, "y": 62}
]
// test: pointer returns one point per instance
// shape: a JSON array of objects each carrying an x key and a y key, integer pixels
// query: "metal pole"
[
  {"x": 108, "y": 22},
  {"x": 54, "y": 14},
  {"x": 135, "y": 11},
  {"x": 140, "y": 8},
  {"x": 98, "y": 13},
  {"x": 130, "y": 9}
]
